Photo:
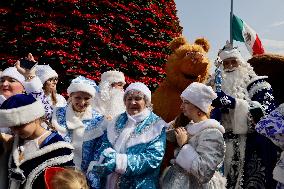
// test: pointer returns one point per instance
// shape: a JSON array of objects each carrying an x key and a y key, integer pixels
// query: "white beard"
[
  {"x": 111, "y": 107},
  {"x": 235, "y": 83}
]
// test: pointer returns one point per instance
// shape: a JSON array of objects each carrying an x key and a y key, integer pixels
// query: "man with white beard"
[
  {"x": 244, "y": 99},
  {"x": 109, "y": 101}
]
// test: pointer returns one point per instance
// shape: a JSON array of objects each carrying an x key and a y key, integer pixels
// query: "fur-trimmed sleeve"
[
  {"x": 202, "y": 161},
  {"x": 34, "y": 87}
]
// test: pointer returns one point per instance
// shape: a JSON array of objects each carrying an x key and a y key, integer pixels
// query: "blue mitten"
[{"x": 224, "y": 101}]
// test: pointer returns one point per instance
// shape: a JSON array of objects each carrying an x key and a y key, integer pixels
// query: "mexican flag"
[{"x": 243, "y": 33}]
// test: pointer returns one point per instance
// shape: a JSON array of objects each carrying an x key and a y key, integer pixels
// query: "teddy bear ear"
[
  {"x": 177, "y": 42},
  {"x": 204, "y": 43}
]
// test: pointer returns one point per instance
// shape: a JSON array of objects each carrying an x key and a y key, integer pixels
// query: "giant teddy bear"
[{"x": 188, "y": 63}]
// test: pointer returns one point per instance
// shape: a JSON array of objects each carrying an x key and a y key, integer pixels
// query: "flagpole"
[{"x": 231, "y": 23}]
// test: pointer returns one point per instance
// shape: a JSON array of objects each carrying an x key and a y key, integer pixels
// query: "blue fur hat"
[
  {"x": 20, "y": 109},
  {"x": 82, "y": 84}
]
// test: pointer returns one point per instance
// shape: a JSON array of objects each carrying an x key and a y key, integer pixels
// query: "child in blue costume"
[{"x": 34, "y": 148}]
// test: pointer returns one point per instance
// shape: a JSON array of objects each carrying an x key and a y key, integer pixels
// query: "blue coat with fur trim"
[
  {"x": 139, "y": 143},
  {"x": 85, "y": 133},
  {"x": 253, "y": 154},
  {"x": 29, "y": 173}
]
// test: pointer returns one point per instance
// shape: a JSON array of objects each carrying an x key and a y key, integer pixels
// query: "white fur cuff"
[
  {"x": 33, "y": 85},
  {"x": 186, "y": 156},
  {"x": 121, "y": 163}
]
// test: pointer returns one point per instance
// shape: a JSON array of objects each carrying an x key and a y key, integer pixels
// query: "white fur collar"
[
  {"x": 139, "y": 117},
  {"x": 39, "y": 152},
  {"x": 195, "y": 128},
  {"x": 152, "y": 132},
  {"x": 73, "y": 121}
]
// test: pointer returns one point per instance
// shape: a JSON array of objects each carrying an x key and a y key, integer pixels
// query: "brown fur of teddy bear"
[{"x": 188, "y": 63}]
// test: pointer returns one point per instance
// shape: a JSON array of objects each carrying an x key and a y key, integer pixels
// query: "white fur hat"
[
  {"x": 13, "y": 73},
  {"x": 113, "y": 77},
  {"x": 45, "y": 72},
  {"x": 20, "y": 109},
  {"x": 139, "y": 87},
  {"x": 229, "y": 51},
  {"x": 83, "y": 84},
  {"x": 107, "y": 79},
  {"x": 199, "y": 95}
]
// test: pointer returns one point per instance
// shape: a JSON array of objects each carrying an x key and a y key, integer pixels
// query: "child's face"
[{"x": 25, "y": 131}]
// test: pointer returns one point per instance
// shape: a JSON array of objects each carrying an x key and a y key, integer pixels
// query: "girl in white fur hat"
[
  {"x": 79, "y": 123},
  {"x": 201, "y": 144},
  {"x": 49, "y": 79}
]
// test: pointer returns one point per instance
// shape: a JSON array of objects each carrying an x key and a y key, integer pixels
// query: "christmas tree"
[{"x": 88, "y": 37}]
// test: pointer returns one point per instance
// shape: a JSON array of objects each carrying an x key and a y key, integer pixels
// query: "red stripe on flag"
[{"x": 257, "y": 47}]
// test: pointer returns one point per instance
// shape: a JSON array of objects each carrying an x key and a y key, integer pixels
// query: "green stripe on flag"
[{"x": 237, "y": 29}]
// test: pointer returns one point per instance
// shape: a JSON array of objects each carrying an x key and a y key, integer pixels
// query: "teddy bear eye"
[
  {"x": 188, "y": 53},
  {"x": 194, "y": 54}
]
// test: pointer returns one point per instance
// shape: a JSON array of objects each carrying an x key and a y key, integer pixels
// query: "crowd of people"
[{"x": 106, "y": 137}]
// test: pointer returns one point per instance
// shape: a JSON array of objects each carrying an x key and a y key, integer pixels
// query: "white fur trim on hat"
[
  {"x": 113, "y": 77},
  {"x": 82, "y": 84},
  {"x": 13, "y": 73},
  {"x": 230, "y": 53},
  {"x": 199, "y": 95},
  {"x": 45, "y": 72},
  {"x": 21, "y": 115},
  {"x": 139, "y": 87}
]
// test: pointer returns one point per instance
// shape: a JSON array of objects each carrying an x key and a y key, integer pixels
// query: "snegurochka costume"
[
  {"x": 84, "y": 130},
  {"x": 134, "y": 149},
  {"x": 197, "y": 162}
]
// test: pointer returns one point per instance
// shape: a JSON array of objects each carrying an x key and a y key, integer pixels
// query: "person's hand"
[
  {"x": 181, "y": 136},
  {"x": 5, "y": 137},
  {"x": 224, "y": 101},
  {"x": 7, "y": 140},
  {"x": 106, "y": 168},
  {"x": 28, "y": 74}
]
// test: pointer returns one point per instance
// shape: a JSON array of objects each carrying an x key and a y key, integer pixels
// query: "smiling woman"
[
  {"x": 78, "y": 122},
  {"x": 135, "y": 144}
]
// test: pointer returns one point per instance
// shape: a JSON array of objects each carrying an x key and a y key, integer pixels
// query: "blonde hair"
[{"x": 69, "y": 179}]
